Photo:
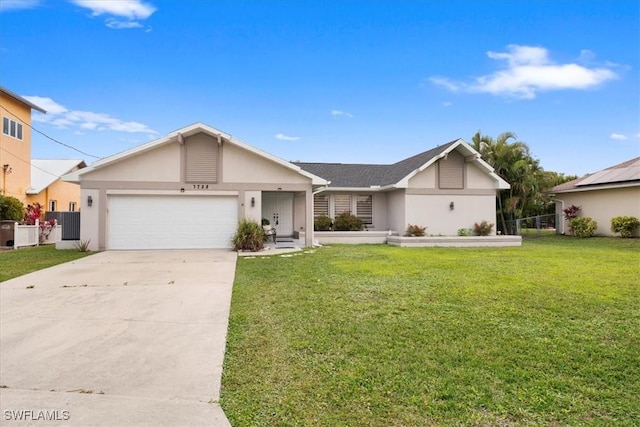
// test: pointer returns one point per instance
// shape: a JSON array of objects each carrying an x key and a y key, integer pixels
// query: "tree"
[
  {"x": 512, "y": 160},
  {"x": 11, "y": 208}
]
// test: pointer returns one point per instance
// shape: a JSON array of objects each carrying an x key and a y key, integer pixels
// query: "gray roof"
[
  {"x": 21, "y": 99},
  {"x": 624, "y": 173},
  {"x": 369, "y": 175}
]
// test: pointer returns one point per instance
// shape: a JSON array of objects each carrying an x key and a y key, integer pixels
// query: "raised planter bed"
[
  {"x": 455, "y": 241},
  {"x": 350, "y": 237}
]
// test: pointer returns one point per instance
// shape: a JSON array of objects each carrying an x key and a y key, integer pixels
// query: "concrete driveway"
[{"x": 117, "y": 338}]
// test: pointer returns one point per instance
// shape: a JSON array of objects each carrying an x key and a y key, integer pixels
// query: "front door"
[{"x": 278, "y": 209}]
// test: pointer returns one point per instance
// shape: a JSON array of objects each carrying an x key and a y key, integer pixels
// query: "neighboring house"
[
  {"x": 611, "y": 192},
  {"x": 190, "y": 188},
  {"x": 15, "y": 144},
  {"x": 444, "y": 189},
  {"x": 49, "y": 190}
]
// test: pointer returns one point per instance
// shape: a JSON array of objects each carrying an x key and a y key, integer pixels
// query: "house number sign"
[{"x": 200, "y": 186}]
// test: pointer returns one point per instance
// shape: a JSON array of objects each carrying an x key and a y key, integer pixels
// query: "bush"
[
  {"x": 249, "y": 236},
  {"x": 265, "y": 222},
  {"x": 571, "y": 212},
  {"x": 322, "y": 223},
  {"x": 11, "y": 208},
  {"x": 583, "y": 226},
  {"x": 625, "y": 225},
  {"x": 347, "y": 222},
  {"x": 465, "y": 232},
  {"x": 415, "y": 230},
  {"x": 483, "y": 229},
  {"x": 33, "y": 213}
]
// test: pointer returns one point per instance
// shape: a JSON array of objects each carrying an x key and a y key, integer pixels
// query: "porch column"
[{"x": 309, "y": 218}]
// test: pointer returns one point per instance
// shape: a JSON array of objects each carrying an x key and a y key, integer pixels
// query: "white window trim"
[{"x": 18, "y": 128}]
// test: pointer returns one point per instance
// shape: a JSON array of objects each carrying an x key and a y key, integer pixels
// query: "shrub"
[
  {"x": 322, "y": 223},
  {"x": 483, "y": 229},
  {"x": 46, "y": 227},
  {"x": 625, "y": 225},
  {"x": 571, "y": 212},
  {"x": 415, "y": 230},
  {"x": 249, "y": 236},
  {"x": 32, "y": 213},
  {"x": 265, "y": 222},
  {"x": 347, "y": 222},
  {"x": 83, "y": 245},
  {"x": 583, "y": 226},
  {"x": 465, "y": 232},
  {"x": 11, "y": 208}
]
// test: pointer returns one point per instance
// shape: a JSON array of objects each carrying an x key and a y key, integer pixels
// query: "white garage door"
[{"x": 171, "y": 222}]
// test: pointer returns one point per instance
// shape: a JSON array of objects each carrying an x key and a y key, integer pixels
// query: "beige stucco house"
[
  {"x": 611, "y": 192},
  {"x": 47, "y": 189},
  {"x": 190, "y": 188}
]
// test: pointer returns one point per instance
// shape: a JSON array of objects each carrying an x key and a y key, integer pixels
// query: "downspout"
[
  {"x": 561, "y": 210},
  {"x": 314, "y": 242}
]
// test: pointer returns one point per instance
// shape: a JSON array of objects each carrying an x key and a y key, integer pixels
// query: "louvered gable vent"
[
  {"x": 202, "y": 159},
  {"x": 451, "y": 171}
]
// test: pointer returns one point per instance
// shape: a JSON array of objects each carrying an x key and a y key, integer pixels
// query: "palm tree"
[{"x": 512, "y": 160}]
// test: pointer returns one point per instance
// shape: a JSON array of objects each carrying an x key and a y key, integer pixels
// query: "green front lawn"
[
  {"x": 14, "y": 263},
  {"x": 546, "y": 334}
]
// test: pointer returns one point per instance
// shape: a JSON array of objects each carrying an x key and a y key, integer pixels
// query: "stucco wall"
[
  {"x": 235, "y": 169},
  {"x": 252, "y": 212},
  {"x": 478, "y": 179},
  {"x": 425, "y": 179},
  {"x": 396, "y": 217},
  {"x": 160, "y": 165},
  {"x": 433, "y": 211},
  {"x": 602, "y": 205},
  {"x": 380, "y": 216},
  {"x": 60, "y": 191},
  {"x": 90, "y": 218},
  {"x": 14, "y": 152}
]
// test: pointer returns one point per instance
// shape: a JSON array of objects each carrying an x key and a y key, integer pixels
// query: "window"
[
  {"x": 72, "y": 206},
  {"x": 342, "y": 203},
  {"x": 320, "y": 205},
  {"x": 364, "y": 208},
  {"x": 11, "y": 128},
  {"x": 52, "y": 205}
]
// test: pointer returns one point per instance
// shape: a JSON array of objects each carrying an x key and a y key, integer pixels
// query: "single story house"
[
  {"x": 190, "y": 188},
  {"x": 611, "y": 192}
]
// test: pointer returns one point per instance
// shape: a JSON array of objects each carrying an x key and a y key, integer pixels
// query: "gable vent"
[
  {"x": 202, "y": 159},
  {"x": 451, "y": 171}
]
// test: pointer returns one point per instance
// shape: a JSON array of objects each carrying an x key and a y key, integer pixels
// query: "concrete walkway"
[{"x": 116, "y": 339}]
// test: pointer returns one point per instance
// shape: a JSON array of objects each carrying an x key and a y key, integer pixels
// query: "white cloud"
[
  {"x": 18, "y": 4},
  {"x": 447, "y": 104},
  {"x": 618, "y": 136},
  {"x": 61, "y": 117},
  {"x": 132, "y": 11},
  {"x": 637, "y": 135},
  {"x": 283, "y": 137},
  {"x": 120, "y": 25},
  {"x": 529, "y": 70},
  {"x": 337, "y": 113}
]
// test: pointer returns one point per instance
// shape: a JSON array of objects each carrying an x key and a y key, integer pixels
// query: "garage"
[{"x": 171, "y": 222}]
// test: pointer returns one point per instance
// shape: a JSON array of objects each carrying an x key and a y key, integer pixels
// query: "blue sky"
[{"x": 331, "y": 81}]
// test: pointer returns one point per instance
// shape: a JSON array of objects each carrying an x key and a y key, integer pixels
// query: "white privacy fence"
[{"x": 35, "y": 235}]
